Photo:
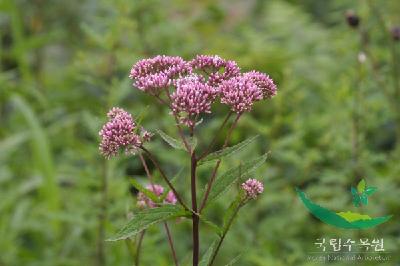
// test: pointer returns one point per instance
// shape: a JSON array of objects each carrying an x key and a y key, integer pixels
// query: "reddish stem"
[
  {"x": 154, "y": 161},
  {"x": 171, "y": 244},
  {"x": 195, "y": 217}
]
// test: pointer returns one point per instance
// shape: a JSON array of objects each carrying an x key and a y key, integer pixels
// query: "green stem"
[
  {"x": 224, "y": 233},
  {"x": 214, "y": 173},
  {"x": 171, "y": 244},
  {"x": 101, "y": 259},
  {"x": 394, "y": 65},
  {"x": 139, "y": 247}
]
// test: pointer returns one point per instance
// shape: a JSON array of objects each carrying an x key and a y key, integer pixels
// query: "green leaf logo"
[
  {"x": 361, "y": 194},
  {"x": 347, "y": 220}
]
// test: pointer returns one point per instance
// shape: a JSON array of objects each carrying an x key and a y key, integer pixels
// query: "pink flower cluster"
[
  {"x": 240, "y": 93},
  {"x": 120, "y": 132},
  {"x": 192, "y": 96},
  {"x": 212, "y": 66},
  {"x": 199, "y": 82},
  {"x": 153, "y": 74},
  {"x": 252, "y": 188},
  {"x": 263, "y": 82},
  {"x": 143, "y": 201}
]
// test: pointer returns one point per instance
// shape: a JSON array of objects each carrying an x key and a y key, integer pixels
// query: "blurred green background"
[{"x": 334, "y": 121}]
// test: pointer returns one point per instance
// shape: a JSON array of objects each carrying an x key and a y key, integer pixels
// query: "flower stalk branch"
[{"x": 217, "y": 164}]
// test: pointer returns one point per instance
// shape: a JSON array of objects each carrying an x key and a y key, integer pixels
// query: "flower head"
[
  {"x": 170, "y": 198},
  {"x": 240, "y": 93},
  {"x": 192, "y": 97},
  {"x": 252, "y": 188},
  {"x": 118, "y": 133},
  {"x": 153, "y": 74},
  {"x": 264, "y": 82},
  {"x": 158, "y": 190},
  {"x": 218, "y": 69}
]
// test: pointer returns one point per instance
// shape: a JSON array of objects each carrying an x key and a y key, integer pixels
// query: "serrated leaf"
[
  {"x": 144, "y": 190},
  {"x": 361, "y": 186},
  {"x": 370, "y": 190},
  {"x": 173, "y": 180},
  {"x": 146, "y": 218},
  {"x": 223, "y": 182},
  {"x": 352, "y": 216},
  {"x": 171, "y": 141},
  {"x": 354, "y": 191},
  {"x": 227, "y": 151},
  {"x": 205, "y": 259},
  {"x": 230, "y": 212},
  {"x": 215, "y": 227},
  {"x": 235, "y": 259},
  {"x": 177, "y": 144}
]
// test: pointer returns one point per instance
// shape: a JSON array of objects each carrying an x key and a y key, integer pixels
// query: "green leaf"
[
  {"x": 216, "y": 228},
  {"x": 352, "y": 216},
  {"x": 364, "y": 199},
  {"x": 205, "y": 259},
  {"x": 340, "y": 219},
  {"x": 144, "y": 190},
  {"x": 173, "y": 181},
  {"x": 42, "y": 153},
  {"x": 177, "y": 144},
  {"x": 223, "y": 182},
  {"x": 227, "y": 151},
  {"x": 146, "y": 218},
  {"x": 171, "y": 141},
  {"x": 231, "y": 211},
  {"x": 370, "y": 190},
  {"x": 235, "y": 259},
  {"x": 141, "y": 115},
  {"x": 361, "y": 186},
  {"x": 356, "y": 200}
]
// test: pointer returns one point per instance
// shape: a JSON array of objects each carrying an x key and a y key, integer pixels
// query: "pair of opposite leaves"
[{"x": 361, "y": 193}]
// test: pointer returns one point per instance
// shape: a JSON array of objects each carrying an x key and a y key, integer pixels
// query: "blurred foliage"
[{"x": 65, "y": 63}]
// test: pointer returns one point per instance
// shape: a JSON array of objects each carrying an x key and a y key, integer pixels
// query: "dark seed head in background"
[
  {"x": 352, "y": 19},
  {"x": 396, "y": 33}
]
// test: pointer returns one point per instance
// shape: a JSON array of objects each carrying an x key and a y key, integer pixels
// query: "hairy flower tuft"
[
  {"x": 262, "y": 81},
  {"x": 192, "y": 97},
  {"x": 215, "y": 67},
  {"x": 252, "y": 188},
  {"x": 153, "y": 74},
  {"x": 240, "y": 93},
  {"x": 119, "y": 133},
  {"x": 158, "y": 190}
]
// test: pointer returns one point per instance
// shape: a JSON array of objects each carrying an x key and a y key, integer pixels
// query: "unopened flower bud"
[{"x": 252, "y": 188}]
